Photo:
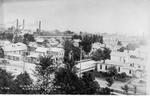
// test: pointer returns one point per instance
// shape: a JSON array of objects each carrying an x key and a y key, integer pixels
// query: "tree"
[
  {"x": 7, "y": 84},
  {"x": 98, "y": 55},
  {"x": 105, "y": 91},
  {"x": 101, "y": 40},
  {"x": 22, "y": 81},
  {"x": 67, "y": 82},
  {"x": 90, "y": 85},
  {"x": 121, "y": 49},
  {"x": 18, "y": 39},
  {"x": 112, "y": 71},
  {"x": 125, "y": 88},
  {"x": 28, "y": 38},
  {"x": 110, "y": 81},
  {"x": 6, "y": 36},
  {"x": 69, "y": 47},
  {"x": 86, "y": 43},
  {"x": 106, "y": 53},
  {"x": 97, "y": 38},
  {"x": 119, "y": 43},
  {"x": 44, "y": 72},
  {"x": 102, "y": 54},
  {"x": 123, "y": 75},
  {"x": 76, "y": 37}
]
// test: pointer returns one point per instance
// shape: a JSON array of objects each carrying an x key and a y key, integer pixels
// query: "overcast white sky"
[{"x": 122, "y": 16}]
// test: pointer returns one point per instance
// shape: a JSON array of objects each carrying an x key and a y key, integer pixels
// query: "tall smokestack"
[
  {"x": 23, "y": 24},
  {"x": 17, "y": 24},
  {"x": 39, "y": 26}
]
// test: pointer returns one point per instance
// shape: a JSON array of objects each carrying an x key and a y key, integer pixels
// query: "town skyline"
[{"x": 88, "y": 16}]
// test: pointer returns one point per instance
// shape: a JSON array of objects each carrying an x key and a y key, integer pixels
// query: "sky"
[{"x": 122, "y": 16}]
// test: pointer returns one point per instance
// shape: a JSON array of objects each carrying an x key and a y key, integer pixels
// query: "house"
[
  {"x": 33, "y": 58},
  {"x": 42, "y": 51},
  {"x": 4, "y": 43},
  {"x": 120, "y": 56},
  {"x": 53, "y": 42},
  {"x": 60, "y": 45},
  {"x": 120, "y": 66},
  {"x": 32, "y": 46},
  {"x": 39, "y": 40},
  {"x": 57, "y": 53},
  {"x": 17, "y": 48},
  {"x": 14, "y": 57},
  {"x": 86, "y": 65},
  {"x": 96, "y": 46},
  {"x": 132, "y": 67}
]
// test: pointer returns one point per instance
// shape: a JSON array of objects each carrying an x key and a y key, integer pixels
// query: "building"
[
  {"x": 42, "y": 51},
  {"x": 17, "y": 48},
  {"x": 4, "y": 43},
  {"x": 96, "y": 46},
  {"x": 33, "y": 58},
  {"x": 120, "y": 56},
  {"x": 53, "y": 42},
  {"x": 120, "y": 66},
  {"x": 14, "y": 57},
  {"x": 33, "y": 46},
  {"x": 86, "y": 65},
  {"x": 56, "y": 53}
]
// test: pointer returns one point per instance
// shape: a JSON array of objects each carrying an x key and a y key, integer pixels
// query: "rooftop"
[
  {"x": 41, "y": 49},
  {"x": 15, "y": 47}
]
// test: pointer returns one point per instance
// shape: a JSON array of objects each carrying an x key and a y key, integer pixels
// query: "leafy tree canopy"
[{"x": 102, "y": 54}]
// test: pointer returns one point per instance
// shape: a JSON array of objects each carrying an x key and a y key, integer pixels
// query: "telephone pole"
[{"x": 80, "y": 59}]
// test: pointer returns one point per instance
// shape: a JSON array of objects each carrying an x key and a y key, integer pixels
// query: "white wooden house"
[{"x": 17, "y": 48}]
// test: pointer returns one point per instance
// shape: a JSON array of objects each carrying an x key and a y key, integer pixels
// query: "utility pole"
[
  {"x": 24, "y": 55},
  {"x": 80, "y": 59}
]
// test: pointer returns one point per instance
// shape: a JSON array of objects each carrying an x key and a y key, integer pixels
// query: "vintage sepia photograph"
[{"x": 74, "y": 47}]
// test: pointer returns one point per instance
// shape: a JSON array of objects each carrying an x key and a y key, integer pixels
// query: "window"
[
  {"x": 106, "y": 67},
  {"x": 129, "y": 71},
  {"x": 100, "y": 66},
  {"x": 118, "y": 69}
]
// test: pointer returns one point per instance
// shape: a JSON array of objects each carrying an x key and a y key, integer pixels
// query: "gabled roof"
[{"x": 35, "y": 55}]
